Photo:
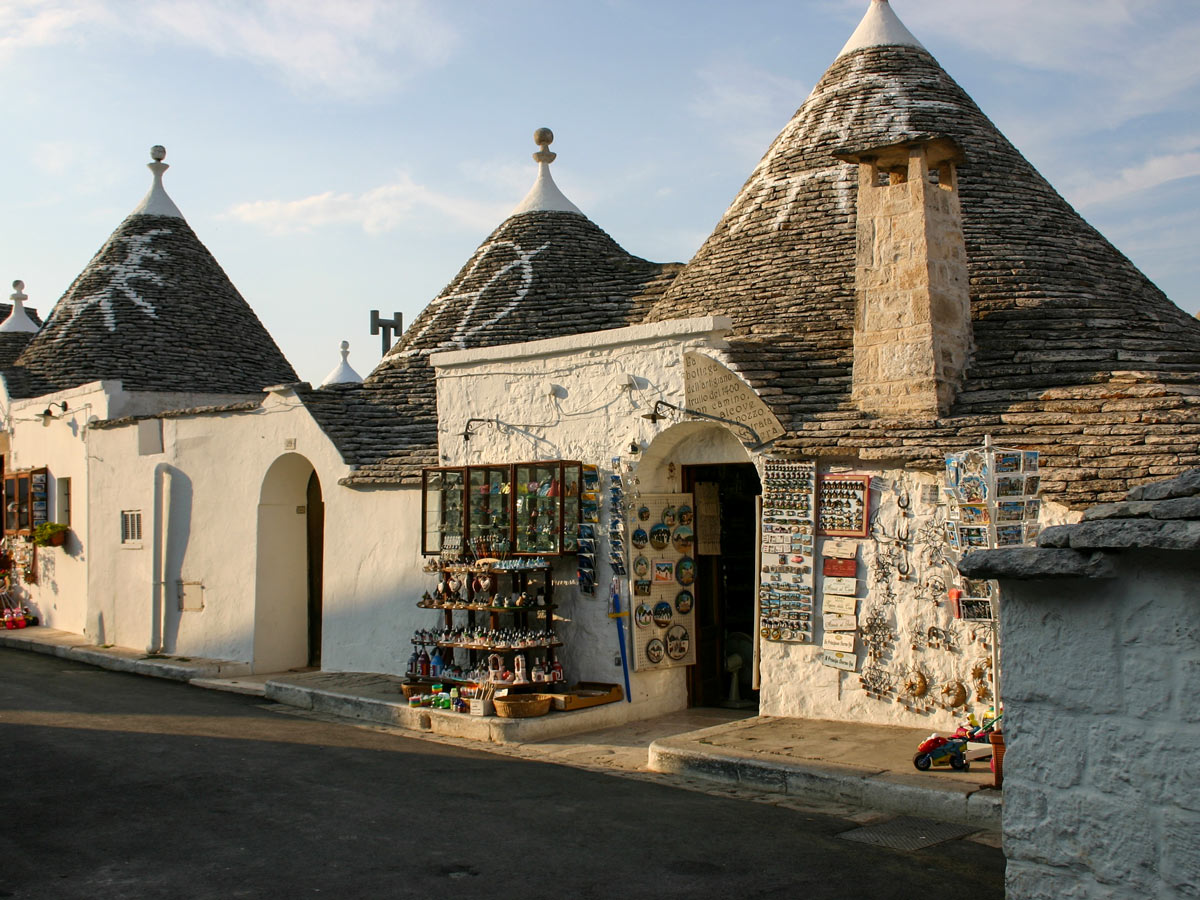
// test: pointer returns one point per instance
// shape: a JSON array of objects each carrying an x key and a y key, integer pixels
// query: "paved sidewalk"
[{"x": 860, "y": 771}]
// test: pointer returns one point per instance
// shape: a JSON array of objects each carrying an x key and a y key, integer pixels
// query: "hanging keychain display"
[{"x": 786, "y": 579}]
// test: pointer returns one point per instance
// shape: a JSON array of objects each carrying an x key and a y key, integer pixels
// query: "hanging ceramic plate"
[
  {"x": 639, "y": 538},
  {"x": 655, "y": 651},
  {"x": 685, "y": 514},
  {"x": 641, "y": 567},
  {"x": 682, "y": 539},
  {"x": 684, "y": 602},
  {"x": 668, "y": 516},
  {"x": 685, "y": 571},
  {"x": 678, "y": 642},
  {"x": 644, "y": 513},
  {"x": 642, "y": 616},
  {"x": 660, "y": 536},
  {"x": 662, "y": 614}
]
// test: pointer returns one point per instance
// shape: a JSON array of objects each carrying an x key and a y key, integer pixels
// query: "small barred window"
[{"x": 131, "y": 526}]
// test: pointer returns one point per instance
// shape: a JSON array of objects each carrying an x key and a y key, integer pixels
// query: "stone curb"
[
  {"x": 442, "y": 723},
  {"x": 72, "y": 647},
  {"x": 840, "y": 784}
]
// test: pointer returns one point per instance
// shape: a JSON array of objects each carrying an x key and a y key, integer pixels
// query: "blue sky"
[{"x": 339, "y": 157}]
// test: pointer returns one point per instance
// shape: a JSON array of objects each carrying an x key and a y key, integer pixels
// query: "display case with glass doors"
[{"x": 443, "y": 511}]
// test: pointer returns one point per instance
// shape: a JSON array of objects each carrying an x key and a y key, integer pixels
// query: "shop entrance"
[
  {"x": 315, "y": 508},
  {"x": 725, "y": 580}
]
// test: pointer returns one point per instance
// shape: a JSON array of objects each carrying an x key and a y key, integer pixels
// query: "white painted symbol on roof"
[
  {"x": 467, "y": 328},
  {"x": 123, "y": 281}
]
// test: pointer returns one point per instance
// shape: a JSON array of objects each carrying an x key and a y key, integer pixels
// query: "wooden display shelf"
[
  {"x": 493, "y": 647},
  {"x": 478, "y": 607}
]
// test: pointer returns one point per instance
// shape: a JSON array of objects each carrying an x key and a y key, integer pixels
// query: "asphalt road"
[{"x": 119, "y": 786}]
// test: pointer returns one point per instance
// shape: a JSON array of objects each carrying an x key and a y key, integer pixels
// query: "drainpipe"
[{"x": 160, "y": 543}]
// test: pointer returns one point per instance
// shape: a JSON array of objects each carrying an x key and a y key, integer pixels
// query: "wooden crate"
[{"x": 588, "y": 693}]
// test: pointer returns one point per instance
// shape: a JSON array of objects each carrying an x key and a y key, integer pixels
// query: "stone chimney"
[{"x": 912, "y": 320}]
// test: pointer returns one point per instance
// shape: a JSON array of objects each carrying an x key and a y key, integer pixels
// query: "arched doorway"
[
  {"x": 288, "y": 571},
  {"x": 709, "y": 462}
]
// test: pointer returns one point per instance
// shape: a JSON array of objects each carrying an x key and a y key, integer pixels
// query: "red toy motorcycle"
[{"x": 938, "y": 750}]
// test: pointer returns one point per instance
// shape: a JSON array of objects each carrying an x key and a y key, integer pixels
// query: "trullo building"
[{"x": 749, "y": 448}]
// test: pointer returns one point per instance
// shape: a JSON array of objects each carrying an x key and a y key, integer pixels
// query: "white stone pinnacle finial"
[
  {"x": 343, "y": 373},
  {"x": 880, "y": 27},
  {"x": 545, "y": 196},
  {"x": 156, "y": 201},
  {"x": 18, "y": 319},
  {"x": 544, "y": 137}
]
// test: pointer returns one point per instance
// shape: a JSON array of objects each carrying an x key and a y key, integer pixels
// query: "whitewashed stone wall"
[
  {"x": 902, "y": 569},
  {"x": 59, "y": 598},
  {"x": 1102, "y": 798},
  {"x": 216, "y": 465},
  {"x": 570, "y": 398}
]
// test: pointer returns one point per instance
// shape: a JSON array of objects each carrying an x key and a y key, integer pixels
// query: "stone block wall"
[
  {"x": 1102, "y": 776},
  {"x": 912, "y": 329}
]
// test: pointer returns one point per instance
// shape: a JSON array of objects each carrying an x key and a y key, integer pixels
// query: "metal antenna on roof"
[{"x": 386, "y": 327}]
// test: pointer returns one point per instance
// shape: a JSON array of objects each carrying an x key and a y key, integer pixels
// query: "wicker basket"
[
  {"x": 522, "y": 706},
  {"x": 413, "y": 690}
]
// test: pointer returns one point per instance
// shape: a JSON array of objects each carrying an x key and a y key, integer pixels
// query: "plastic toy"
[{"x": 940, "y": 751}]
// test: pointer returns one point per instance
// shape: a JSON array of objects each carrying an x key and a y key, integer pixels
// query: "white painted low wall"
[
  {"x": 1101, "y": 794},
  {"x": 245, "y": 545}
]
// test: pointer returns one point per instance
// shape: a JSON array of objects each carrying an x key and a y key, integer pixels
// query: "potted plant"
[{"x": 50, "y": 534}]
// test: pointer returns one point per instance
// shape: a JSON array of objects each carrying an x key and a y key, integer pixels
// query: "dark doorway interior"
[
  {"x": 725, "y": 582},
  {"x": 315, "y": 508}
]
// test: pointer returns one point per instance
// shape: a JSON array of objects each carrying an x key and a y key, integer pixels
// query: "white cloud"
[
  {"x": 26, "y": 24},
  {"x": 349, "y": 48},
  {"x": 376, "y": 211},
  {"x": 1155, "y": 171}
]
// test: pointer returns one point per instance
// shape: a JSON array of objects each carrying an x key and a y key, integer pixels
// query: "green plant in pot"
[{"x": 50, "y": 534}]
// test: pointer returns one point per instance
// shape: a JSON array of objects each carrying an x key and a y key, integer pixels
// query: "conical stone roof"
[
  {"x": 154, "y": 309},
  {"x": 544, "y": 272},
  {"x": 1076, "y": 352}
]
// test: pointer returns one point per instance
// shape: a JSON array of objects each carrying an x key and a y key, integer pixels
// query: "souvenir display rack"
[
  {"x": 662, "y": 570},
  {"x": 786, "y": 579},
  {"x": 26, "y": 500},
  {"x": 844, "y": 506},
  {"x": 522, "y": 509},
  {"x": 991, "y": 501},
  {"x": 509, "y": 612}
]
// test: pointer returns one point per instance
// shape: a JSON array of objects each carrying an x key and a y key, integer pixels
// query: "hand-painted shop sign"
[
  {"x": 838, "y": 640},
  {"x": 834, "y": 603},
  {"x": 839, "y": 549},
  {"x": 847, "y": 586},
  {"x": 715, "y": 390},
  {"x": 839, "y": 568},
  {"x": 840, "y": 660},
  {"x": 837, "y": 622}
]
